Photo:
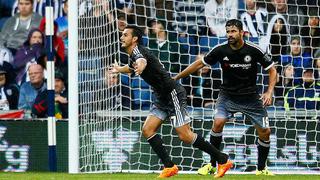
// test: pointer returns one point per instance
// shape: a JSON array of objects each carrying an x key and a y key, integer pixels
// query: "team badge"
[{"x": 247, "y": 58}]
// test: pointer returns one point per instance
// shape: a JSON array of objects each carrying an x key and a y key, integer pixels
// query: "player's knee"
[
  {"x": 186, "y": 137},
  {"x": 265, "y": 134}
]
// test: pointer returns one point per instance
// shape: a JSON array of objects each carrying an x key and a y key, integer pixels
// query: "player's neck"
[
  {"x": 238, "y": 45},
  {"x": 130, "y": 49}
]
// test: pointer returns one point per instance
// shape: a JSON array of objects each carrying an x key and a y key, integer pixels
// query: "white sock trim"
[
  {"x": 215, "y": 134},
  {"x": 151, "y": 137},
  {"x": 263, "y": 143}
]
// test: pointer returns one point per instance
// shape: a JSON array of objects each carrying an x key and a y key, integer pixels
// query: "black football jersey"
[
  {"x": 154, "y": 74},
  {"x": 239, "y": 67}
]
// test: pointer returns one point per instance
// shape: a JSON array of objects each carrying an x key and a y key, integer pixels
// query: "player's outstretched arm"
[
  {"x": 267, "y": 96},
  {"x": 115, "y": 68},
  {"x": 198, "y": 64}
]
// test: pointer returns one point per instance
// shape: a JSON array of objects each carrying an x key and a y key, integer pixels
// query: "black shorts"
[
  {"x": 251, "y": 106},
  {"x": 173, "y": 105}
]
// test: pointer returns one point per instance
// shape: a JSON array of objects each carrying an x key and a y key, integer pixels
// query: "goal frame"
[{"x": 73, "y": 125}]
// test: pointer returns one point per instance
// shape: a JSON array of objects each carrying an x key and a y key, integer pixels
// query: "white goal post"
[
  {"x": 73, "y": 125},
  {"x": 106, "y": 112}
]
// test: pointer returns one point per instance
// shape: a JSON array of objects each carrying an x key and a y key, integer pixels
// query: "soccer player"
[
  {"x": 170, "y": 100},
  {"x": 238, "y": 59}
]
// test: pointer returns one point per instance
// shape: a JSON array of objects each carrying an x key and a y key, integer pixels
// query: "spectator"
[
  {"x": 204, "y": 87},
  {"x": 122, "y": 22},
  {"x": 111, "y": 80},
  {"x": 62, "y": 23},
  {"x": 39, "y": 6},
  {"x": 5, "y": 11},
  {"x": 218, "y": 12},
  {"x": 298, "y": 59},
  {"x": 111, "y": 87},
  {"x": 126, "y": 6},
  {"x": 311, "y": 32},
  {"x": 166, "y": 47},
  {"x": 277, "y": 38},
  {"x": 42, "y": 61},
  {"x": 291, "y": 14},
  {"x": 284, "y": 83},
  {"x": 284, "y": 20},
  {"x": 162, "y": 10},
  {"x": 30, "y": 89},
  {"x": 15, "y": 30},
  {"x": 254, "y": 21},
  {"x": 6, "y": 55},
  {"x": 28, "y": 54},
  {"x": 58, "y": 44},
  {"x": 189, "y": 18},
  {"x": 157, "y": 9},
  {"x": 61, "y": 96},
  {"x": 9, "y": 90},
  {"x": 93, "y": 35},
  {"x": 40, "y": 105},
  {"x": 304, "y": 96}
]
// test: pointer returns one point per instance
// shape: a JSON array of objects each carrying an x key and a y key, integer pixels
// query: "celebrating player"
[
  {"x": 170, "y": 100},
  {"x": 238, "y": 59}
]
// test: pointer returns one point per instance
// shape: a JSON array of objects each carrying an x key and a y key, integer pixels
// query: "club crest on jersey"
[{"x": 247, "y": 58}]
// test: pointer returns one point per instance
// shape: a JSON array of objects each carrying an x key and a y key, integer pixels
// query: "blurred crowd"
[
  {"x": 176, "y": 31},
  {"x": 23, "y": 57}
]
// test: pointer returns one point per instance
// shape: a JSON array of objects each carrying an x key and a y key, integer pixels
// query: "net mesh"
[{"x": 113, "y": 108}]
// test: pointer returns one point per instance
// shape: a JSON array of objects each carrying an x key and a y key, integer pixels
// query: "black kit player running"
[{"x": 170, "y": 100}]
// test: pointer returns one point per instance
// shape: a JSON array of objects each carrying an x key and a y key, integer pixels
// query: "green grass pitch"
[{"x": 125, "y": 176}]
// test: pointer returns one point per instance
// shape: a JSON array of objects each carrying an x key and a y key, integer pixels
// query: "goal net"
[{"x": 112, "y": 108}]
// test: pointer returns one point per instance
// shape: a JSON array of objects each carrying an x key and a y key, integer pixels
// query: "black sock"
[
  {"x": 205, "y": 146},
  {"x": 215, "y": 140},
  {"x": 157, "y": 145},
  {"x": 263, "y": 152}
]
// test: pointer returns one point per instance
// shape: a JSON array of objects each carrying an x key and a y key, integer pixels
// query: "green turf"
[{"x": 123, "y": 176}]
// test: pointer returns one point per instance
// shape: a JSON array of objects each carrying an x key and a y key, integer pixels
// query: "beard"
[{"x": 232, "y": 41}]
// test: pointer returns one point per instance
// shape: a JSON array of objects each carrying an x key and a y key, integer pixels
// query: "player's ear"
[
  {"x": 242, "y": 32},
  {"x": 135, "y": 39}
]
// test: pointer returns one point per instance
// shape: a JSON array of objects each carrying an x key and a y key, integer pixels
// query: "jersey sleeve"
[
  {"x": 136, "y": 54},
  {"x": 212, "y": 57},
  {"x": 265, "y": 60}
]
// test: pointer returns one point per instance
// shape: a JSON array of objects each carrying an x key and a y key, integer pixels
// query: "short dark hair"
[
  {"x": 136, "y": 32},
  {"x": 295, "y": 38},
  {"x": 28, "y": 0},
  {"x": 236, "y": 23}
]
